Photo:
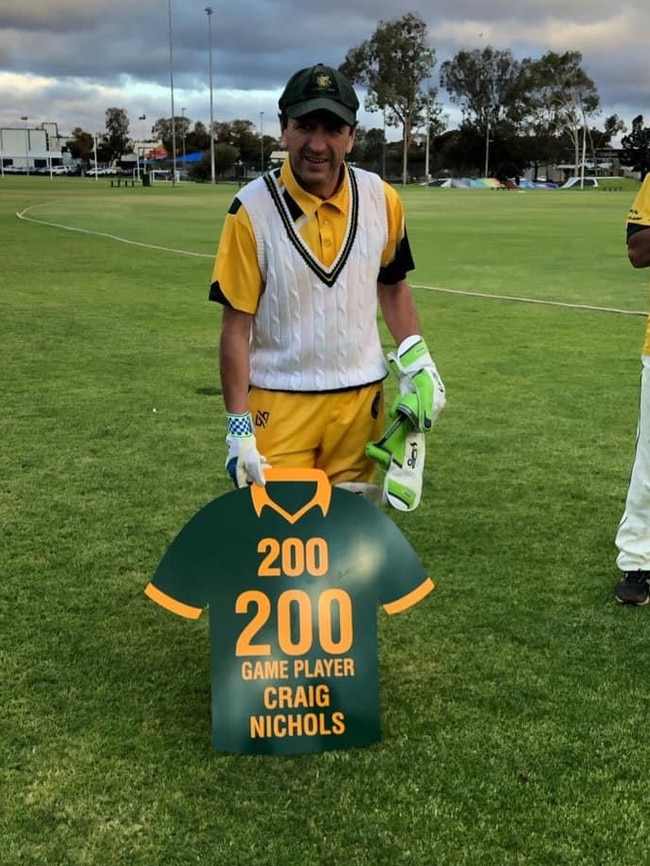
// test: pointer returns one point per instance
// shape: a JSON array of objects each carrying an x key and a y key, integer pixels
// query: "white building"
[{"x": 32, "y": 148}]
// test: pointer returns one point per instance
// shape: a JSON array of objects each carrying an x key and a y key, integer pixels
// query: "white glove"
[
  {"x": 244, "y": 462},
  {"x": 419, "y": 377}
]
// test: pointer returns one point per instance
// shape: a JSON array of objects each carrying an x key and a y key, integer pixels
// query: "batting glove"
[
  {"x": 422, "y": 394},
  {"x": 244, "y": 463},
  {"x": 401, "y": 454}
]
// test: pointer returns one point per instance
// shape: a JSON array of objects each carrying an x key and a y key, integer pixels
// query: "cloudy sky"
[{"x": 69, "y": 60}]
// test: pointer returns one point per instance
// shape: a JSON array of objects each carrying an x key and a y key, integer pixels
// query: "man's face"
[{"x": 318, "y": 144}]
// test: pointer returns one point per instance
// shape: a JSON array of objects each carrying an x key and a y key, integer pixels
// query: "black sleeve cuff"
[
  {"x": 400, "y": 266},
  {"x": 633, "y": 228},
  {"x": 217, "y": 295}
]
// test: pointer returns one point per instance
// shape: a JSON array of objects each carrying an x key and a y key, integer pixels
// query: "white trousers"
[{"x": 633, "y": 535}]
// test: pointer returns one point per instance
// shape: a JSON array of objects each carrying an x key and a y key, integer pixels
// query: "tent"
[
  {"x": 580, "y": 182},
  {"x": 524, "y": 183},
  {"x": 190, "y": 158}
]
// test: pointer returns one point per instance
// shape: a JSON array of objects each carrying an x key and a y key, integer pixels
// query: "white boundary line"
[
  {"x": 22, "y": 215},
  {"x": 532, "y": 301}
]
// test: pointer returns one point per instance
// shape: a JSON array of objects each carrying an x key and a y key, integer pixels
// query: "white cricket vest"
[{"x": 316, "y": 327}]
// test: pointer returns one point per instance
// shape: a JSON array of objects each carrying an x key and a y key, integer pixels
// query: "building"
[{"x": 28, "y": 149}]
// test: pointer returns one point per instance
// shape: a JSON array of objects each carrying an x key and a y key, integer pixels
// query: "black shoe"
[{"x": 634, "y": 588}]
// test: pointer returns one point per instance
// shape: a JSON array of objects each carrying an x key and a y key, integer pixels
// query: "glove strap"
[
  {"x": 412, "y": 355},
  {"x": 240, "y": 425}
]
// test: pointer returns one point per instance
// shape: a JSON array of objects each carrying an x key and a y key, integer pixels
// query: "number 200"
[
  {"x": 294, "y": 556},
  {"x": 296, "y": 641}
]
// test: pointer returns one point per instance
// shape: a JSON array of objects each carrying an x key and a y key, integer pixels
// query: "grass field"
[{"x": 514, "y": 699}]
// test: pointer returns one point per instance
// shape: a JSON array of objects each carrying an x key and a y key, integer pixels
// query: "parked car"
[{"x": 106, "y": 171}]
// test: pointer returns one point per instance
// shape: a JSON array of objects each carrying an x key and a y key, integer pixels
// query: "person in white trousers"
[{"x": 633, "y": 535}]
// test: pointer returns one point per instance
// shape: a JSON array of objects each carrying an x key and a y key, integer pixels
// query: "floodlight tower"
[
  {"x": 139, "y": 147},
  {"x": 208, "y": 11},
  {"x": 25, "y": 118},
  {"x": 171, "y": 86}
]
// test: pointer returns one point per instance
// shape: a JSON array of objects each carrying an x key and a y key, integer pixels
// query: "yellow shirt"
[
  {"x": 639, "y": 218},
  {"x": 321, "y": 224}
]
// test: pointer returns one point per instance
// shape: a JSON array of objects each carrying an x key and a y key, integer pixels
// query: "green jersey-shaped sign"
[{"x": 293, "y": 573}]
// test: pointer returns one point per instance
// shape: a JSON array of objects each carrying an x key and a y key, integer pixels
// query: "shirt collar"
[
  {"x": 321, "y": 498},
  {"x": 309, "y": 203}
]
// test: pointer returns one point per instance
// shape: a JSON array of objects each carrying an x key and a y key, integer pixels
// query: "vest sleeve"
[
  {"x": 397, "y": 259},
  {"x": 236, "y": 277}
]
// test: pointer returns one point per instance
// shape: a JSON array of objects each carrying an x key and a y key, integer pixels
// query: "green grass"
[{"x": 513, "y": 699}]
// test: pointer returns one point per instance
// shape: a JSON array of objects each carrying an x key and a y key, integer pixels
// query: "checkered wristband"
[{"x": 240, "y": 425}]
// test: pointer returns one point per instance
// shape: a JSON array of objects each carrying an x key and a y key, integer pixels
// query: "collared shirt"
[
  {"x": 638, "y": 219},
  {"x": 638, "y": 216},
  {"x": 237, "y": 280}
]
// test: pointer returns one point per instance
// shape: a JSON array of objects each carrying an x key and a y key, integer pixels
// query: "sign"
[{"x": 292, "y": 574}]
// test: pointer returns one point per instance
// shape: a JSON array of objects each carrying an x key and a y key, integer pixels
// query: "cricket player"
[
  {"x": 633, "y": 536},
  {"x": 308, "y": 254}
]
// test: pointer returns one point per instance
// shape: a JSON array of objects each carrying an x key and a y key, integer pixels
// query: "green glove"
[
  {"x": 400, "y": 452},
  {"x": 422, "y": 394}
]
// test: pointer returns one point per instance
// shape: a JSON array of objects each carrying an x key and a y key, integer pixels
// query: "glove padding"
[
  {"x": 244, "y": 463},
  {"x": 400, "y": 452},
  {"x": 422, "y": 394}
]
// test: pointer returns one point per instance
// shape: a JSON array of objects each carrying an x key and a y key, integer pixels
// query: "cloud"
[{"x": 68, "y": 61}]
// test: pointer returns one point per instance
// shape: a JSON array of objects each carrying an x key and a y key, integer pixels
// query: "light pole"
[
  {"x": 25, "y": 117},
  {"x": 208, "y": 11},
  {"x": 95, "y": 152},
  {"x": 426, "y": 154},
  {"x": 427, "y": 144},
  {"x": 584, "y": 147},
  {"x": 171, "y": 87},
  {"x": 183, "y": 134},
  {"x": 137, "y": 150},
  {"x": 487, "y": 147},
  {"x": 261, "y": 142}
]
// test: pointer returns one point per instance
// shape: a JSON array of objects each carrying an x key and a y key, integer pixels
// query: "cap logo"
[{"x": 323, "y": 81}]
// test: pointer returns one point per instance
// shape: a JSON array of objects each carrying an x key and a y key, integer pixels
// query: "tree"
[
  {"x": 182, "y": 125},
  {"x": 116, "y": 139},
  {"x": 198, "y": 139},
  {"x": 242, "y": 136},
  {"x": 162, "y": 130},
  {"x": 489, "y": 87},
  {"x": 636, "y": 147},
  {"x": 374, "y": 144},
  {"x": 602, "y": 138},
  {"x": 81, "y": 145},
  {"x": 612, "y": 126},
  {"x": 393, "y": 66},
  {"x": 562, "y": 97},
  {"x": 225, "y": 156}
]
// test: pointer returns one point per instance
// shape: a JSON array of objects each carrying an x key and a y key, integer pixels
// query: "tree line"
[{"x": 515, "y": 114}]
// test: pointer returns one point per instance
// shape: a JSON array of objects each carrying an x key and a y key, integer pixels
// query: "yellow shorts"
[{"x": 319, "y": 431}]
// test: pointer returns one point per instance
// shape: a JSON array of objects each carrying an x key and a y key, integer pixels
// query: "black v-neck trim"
[{"x": 289, "y": 212}]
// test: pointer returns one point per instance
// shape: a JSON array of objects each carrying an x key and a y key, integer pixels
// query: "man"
[
  {"x": 633, "y": 536},
  {"x": 306, "y": 255}
]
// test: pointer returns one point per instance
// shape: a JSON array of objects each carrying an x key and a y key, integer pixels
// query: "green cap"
[{"x": 319, "y": 88}]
